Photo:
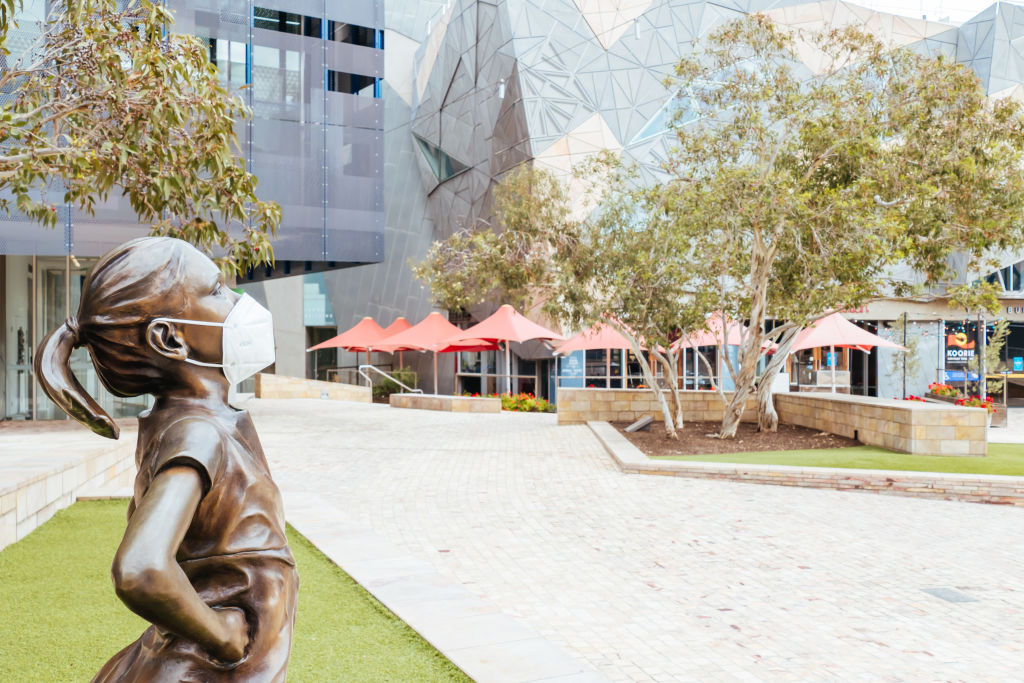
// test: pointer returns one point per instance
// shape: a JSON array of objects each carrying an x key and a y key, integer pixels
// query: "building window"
[
  {"x": 443, "y": 165},
  {"x": 341, "y": 32},
  {"x": 230, "y": 57},
  {"x": 286, "y": 22},
  {"x": 353, "y": 84}
]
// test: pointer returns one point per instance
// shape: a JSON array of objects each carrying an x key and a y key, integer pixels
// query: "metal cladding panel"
[
  {"x": 114, "y": 222},
  {"x": 310, "y": 8},
  {"x": 369, "y": 13},
  {"x": 18, "y": 235},
  {"x": 355, "y": 59},
  {"x": 355, "y": 111},
  {"x": 287, "y": 76},
  {"x": 288, "y": 158}
]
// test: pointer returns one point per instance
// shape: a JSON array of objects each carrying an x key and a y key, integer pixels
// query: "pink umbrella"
[
  {"x": 600, "y": 336},
  {"x": 835, "y": 330},
  {"x": 432, "y": 334},
  {"x": 506, "y": 325},
  {"x": 712, "y": 335},
  {"x": 360, "y": 337},
  {"x": 400, "y": 325}
]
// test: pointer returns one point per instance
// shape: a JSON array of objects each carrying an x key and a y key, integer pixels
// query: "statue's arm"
[{"x": 150, "y": 582}]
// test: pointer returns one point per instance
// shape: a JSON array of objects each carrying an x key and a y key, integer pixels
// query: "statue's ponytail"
[{"x": 53, "y": 370}]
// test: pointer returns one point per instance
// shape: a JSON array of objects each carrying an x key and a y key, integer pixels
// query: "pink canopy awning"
[
  {"x": 836, "y": 331},
  {"x": 400, "y": 325},
  {"x": 361, "y": 337},
  {"x": 712, "y": 334},
  {"x": 507, "y": 325},
  {"x": 600, "y": 336},
  {"x": 431, "y": 334}
]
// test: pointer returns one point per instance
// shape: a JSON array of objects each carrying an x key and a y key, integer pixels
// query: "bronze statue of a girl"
[{"x": 204, "y": 556}]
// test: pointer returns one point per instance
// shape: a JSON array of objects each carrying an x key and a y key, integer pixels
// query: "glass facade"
[{"x": 36, "y": 295}]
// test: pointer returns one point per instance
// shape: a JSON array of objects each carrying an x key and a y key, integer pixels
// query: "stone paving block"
[{"x": 534, "y": 658}]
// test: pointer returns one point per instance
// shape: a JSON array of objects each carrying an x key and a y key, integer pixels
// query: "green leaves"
[{"x": 113, "y": 104}]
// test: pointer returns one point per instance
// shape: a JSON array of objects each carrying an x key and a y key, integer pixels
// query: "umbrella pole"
[
  {"x": 832, "y": 358},
  {"x": 435, "y": 373},
  {"x": 508, "y": 371}
]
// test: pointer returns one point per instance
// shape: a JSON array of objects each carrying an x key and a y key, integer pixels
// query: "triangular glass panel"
[
  {"x": 441, "y": 163},
  {"x": 659, "y": 123}
]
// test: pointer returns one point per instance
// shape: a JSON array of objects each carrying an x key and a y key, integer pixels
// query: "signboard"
[
  {"x": 961, "y": 339},
  {"x": 830, "y": 359},
  {"x": 571, "y": 370},
  {"x": 958, "y": 376},
  {"x": 1018, "y": 363}
]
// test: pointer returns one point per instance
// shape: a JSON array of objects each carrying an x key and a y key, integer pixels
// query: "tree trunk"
[
  {"x": 650, "y": 379},
  {"x": 668, "y": 364},
  {"x": 753, "y": 343},
  {"x": 652, "y": 382},
  {"x": 767, "y": 418},
  {"x": 744, "y": 387}
]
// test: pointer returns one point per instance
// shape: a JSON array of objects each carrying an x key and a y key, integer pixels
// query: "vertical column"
[
  {"x": 33, "y": 323},
  {"x": 324, "y": 180}
]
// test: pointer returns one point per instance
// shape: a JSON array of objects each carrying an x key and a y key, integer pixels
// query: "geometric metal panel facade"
[{"x": 496, "y": 84}]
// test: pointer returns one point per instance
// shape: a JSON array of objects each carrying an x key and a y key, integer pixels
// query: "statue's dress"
[{"x": 235, "y": 552}]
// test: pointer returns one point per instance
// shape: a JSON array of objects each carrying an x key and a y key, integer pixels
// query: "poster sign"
[
  {"x": 830, "y": 359},
  {"x": 1018, "y": 363},
  {"x": 961, "y": 339}
]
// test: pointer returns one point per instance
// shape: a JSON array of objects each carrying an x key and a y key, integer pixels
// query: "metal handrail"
[{"x": 369, "y": 380}]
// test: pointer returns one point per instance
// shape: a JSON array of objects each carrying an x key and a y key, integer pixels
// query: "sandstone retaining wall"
[
  {"x": 280, "y": 386},
  {"x": 615, "y": 405}
]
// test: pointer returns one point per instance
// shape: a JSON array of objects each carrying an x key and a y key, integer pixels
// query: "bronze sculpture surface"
[{"x": 204, "y": 557}]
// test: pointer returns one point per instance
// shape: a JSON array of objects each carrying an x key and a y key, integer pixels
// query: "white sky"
[{"x": 958, "y": 11}]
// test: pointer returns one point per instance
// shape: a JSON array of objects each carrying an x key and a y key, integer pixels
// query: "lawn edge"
[{"x": 997, "y": 489}]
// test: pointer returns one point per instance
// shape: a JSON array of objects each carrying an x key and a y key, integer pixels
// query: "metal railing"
[{"x": 369, "y": 379}]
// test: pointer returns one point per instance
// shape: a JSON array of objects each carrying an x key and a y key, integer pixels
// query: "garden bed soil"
[{"x": 695, "y": 439}]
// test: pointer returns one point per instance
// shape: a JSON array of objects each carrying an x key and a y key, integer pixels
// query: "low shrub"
[
  {"x": 523, "y": 403},
  {"x": 405, "y": 375},
  {"x": 977, "y": 402},
  {"x": 943, "y": 390}
]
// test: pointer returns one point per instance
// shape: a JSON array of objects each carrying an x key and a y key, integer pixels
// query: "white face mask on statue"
[{"x": 247, "y": 342}]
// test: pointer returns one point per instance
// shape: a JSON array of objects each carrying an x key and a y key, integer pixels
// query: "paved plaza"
[{"x": 661, "y": 578}]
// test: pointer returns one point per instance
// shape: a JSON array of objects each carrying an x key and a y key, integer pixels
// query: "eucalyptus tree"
[
  {"x": 799, "y": 188},
  {"x": 606, "y": 255},
  {"x": 107, "y": 101}
]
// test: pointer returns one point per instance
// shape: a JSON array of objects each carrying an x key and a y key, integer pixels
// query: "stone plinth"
[
  {"x": 905, "y": 426},
  {"x": 451, "y": 404},
  {"x": 279, "y": 386},
  {"x": 576, "y": 406}
]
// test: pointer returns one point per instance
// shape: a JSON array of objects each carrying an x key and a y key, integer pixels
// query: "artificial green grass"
[
  {"x": 60, "y": 619},
  {"x": 1002, "y": 458}
]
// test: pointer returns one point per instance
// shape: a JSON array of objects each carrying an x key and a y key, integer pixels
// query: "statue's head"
[{"x": 127, "y": 317}]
